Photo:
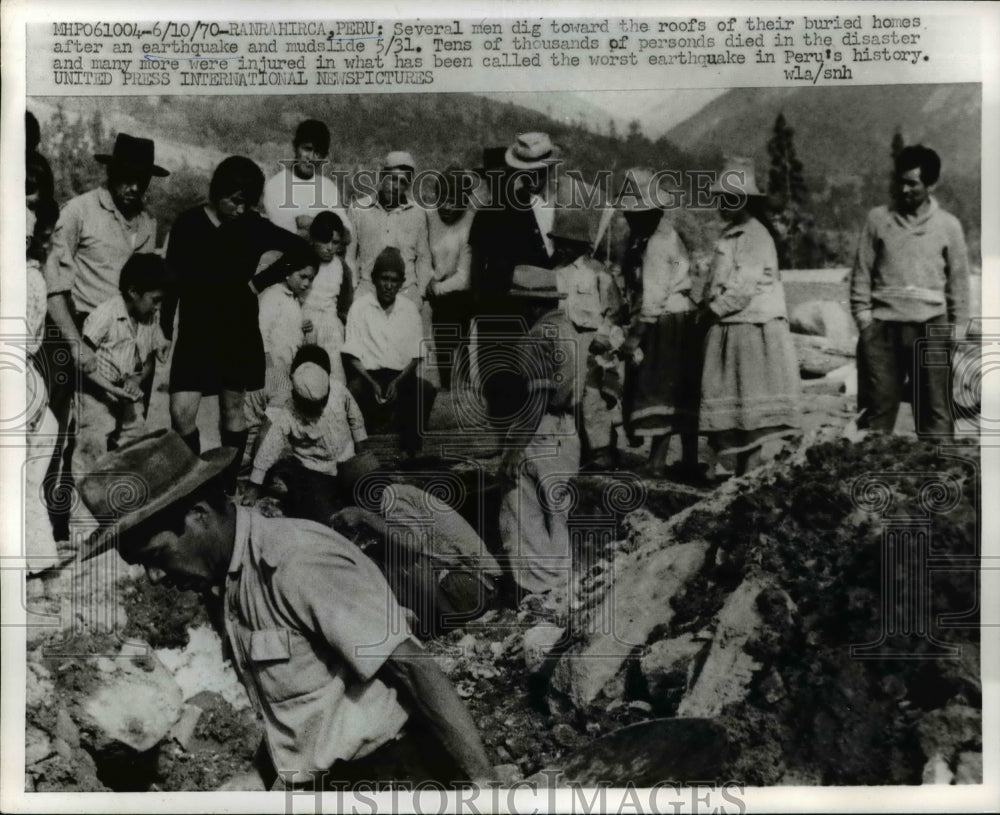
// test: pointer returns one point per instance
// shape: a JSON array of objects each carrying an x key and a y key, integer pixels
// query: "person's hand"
[
  {"x": 431, "y": 290},
  {"x": 349, "y": 517},
  {"x": 302, "y": 224},
  {"x": 392, "y": 391},
  {"x": 864, "y": 319},
  {"x": 118, "y": 394},
  {"x": 379, "y": 394},
  {"x": 132, "y": 390},
  {"x": 307, "y": 327},
  {"x": 510, "y": 464},
  {"x": 251, "y": 493}
]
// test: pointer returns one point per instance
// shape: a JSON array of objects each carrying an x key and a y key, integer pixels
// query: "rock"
[
  {"x": 506, "y": 774},
  {"x": 199, "y": 666},
  {"x": 134, "y": 707},
  {"x": 665, "y": 667},
  {"x": 773, "y": 688},
  {"x": 945, "y": 731},
  {"x": 62, "y": 749},
  {"x": 936, "y": 771},
  {"x": 822, "y": 318},
  {"x": 538, "y": 642},
  {"x": 39, "y": 688},
  {"x": 66, "y": 728},
  {"x": 969, "y": 769},
  {"x": 728, "y": 670},
  {"x": 183, "y": 731},
  {"x": 818, "y": 356},
  {"x": 567, "y": 736},
  {"x": 37, "y": 746},
  {"x": 645, "y": 582}
]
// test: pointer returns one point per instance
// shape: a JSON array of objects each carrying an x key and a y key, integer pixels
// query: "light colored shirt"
[
  {"x": 912, "y": 269},
  {"x": 545, "y": 215},
  {"x": 425, "y": 523},
  {"x": 744, "y": 285},
  {"x": 322, "y": 298},
  {"x": 555, "y": 360},
  {"x": 286, "y": 197},
  {"x": 666, "y": 274},
  {"x": 450, "y": 251},
  {"x": 311, "y": 621},
  {"x": 280, "y": 318},
  {"x": 35, "y": 306},
  {"x": 318, "y": 443},
  {"x": 381, "y": 339},
  {"x": 123, "y": 346},
  {"x": 404, "y": 227},
  {"x": 90, "y": 244}
]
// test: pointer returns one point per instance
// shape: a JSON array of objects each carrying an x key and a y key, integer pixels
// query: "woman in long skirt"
[
  {"x": 662, "y": 380},
  {"x": 750, "y": 379}
]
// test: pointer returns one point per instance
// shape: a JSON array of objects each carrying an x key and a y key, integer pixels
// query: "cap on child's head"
[
  {"x": 389, "y": 260},
  {"x": 325, "y": 226},
  {"x": 310, "y": 382}
]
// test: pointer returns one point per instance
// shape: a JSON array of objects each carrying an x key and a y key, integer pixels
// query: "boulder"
[
  {"x": 818, "y": 356},
  {"x": 822, "y": 318},
  {"x": 644, "y": 584},
  {"x": 135, "y": 705},
  {"x": 666, "y": 665},
  {"x": 969, "y": 768},
  {"x": 728, "y": 670}
]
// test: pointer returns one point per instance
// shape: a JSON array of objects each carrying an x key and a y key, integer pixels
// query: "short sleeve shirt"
[
  {"x": 90, "y": 244},
  {"x": 311, "y": 621},
  {"x": 122, "y": 346}
]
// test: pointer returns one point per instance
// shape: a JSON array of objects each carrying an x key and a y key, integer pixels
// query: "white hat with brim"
[
  {"x": 399, "y": 160},
  {"x": 137, "y": 481},
  {"x": 531, "y": 151},
  {"x": 740, "y": 176}
]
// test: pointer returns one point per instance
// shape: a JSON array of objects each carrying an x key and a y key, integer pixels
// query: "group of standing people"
[{"x": 312, "y": 321}]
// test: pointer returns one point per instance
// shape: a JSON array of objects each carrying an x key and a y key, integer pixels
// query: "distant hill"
[{"x": 842, "y": 131}]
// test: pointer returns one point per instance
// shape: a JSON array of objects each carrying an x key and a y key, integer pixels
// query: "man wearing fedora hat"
[
  {"x": 95, "y": 234},
  {"x": 317, "y": 637}
]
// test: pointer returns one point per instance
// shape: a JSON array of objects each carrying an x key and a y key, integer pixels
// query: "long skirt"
[
  {"x": 750, "y": 384},
  {"x": 662, "y": 392}
]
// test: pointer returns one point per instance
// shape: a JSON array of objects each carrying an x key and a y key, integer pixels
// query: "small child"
[
  {"x": 283, "y": 329},
  {"x": 127, "y": 339},
  {"x": 329, "y": 299},
  {"x": 321, "y": 426}
]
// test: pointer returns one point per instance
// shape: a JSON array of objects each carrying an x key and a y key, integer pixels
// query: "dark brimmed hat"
[
  {"x": 141, "y": 479},
  {"x": 134, "y": 154}
]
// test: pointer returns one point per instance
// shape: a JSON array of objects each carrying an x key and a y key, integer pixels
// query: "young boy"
[
  {"x": 329, "y": 298},
  {"x": 321, "y": 426},
  {"x": 126, "y": 338},
  {"x": 283, "y": 330}
]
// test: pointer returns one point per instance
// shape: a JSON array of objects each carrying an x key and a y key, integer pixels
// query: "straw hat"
[
  {"x": 739, "y": 175},
  {"x": 140, "y": 479},
  {"x": 530, "y": 151}
]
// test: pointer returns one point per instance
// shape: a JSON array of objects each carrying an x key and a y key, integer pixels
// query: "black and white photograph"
[{"x": 380, "y": 441}]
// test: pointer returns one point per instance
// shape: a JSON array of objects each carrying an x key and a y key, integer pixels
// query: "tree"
[{"x": 787, "y": 191}]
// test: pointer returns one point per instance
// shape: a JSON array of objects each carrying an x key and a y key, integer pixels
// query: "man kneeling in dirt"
[{"x": 319, "y": 641}]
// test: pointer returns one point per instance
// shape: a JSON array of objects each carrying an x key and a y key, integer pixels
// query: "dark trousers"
[
  {"x": 897, "y": 359},
  {"x": 503, "y": 385},
  {"x": 57, "y": 358},
  {"x": 308, "y": 494},
  {"x": 452, "y": 314},
  {"x": 408, "y": 414}
]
